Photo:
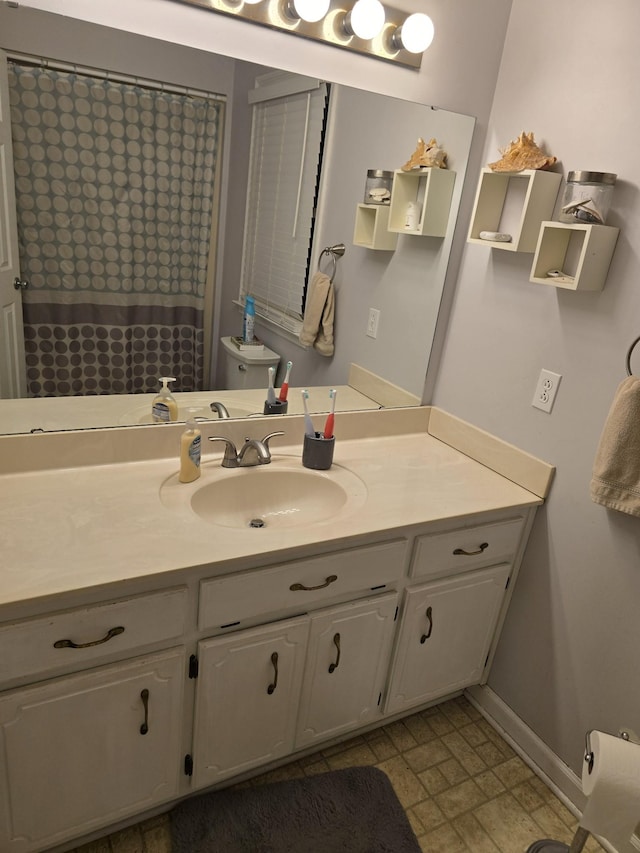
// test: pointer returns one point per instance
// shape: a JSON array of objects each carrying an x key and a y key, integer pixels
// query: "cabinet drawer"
[
  {"x": 301, "y": 584},
  {"x": 466, "y": 548},
  {"x": 88, "y": 634}
]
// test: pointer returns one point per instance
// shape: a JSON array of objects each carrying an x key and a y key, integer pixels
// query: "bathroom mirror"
[{"x": 365, "y": 131}]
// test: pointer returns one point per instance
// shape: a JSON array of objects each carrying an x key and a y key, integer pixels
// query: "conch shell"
[
  {"x": 426, "y": 154},
  {"x": 522, "y": 153}
]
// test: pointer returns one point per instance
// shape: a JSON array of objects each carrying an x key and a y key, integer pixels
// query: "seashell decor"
[
  {"x": 427, "y": 154},
  {"x": 522, "y": 153}
]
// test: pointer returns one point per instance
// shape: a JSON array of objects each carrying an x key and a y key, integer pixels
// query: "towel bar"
[
  {"x": 334, "y": 253},
  {"x": 629, "y": 351}
]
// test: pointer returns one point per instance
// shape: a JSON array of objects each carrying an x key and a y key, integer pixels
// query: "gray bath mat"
[{"x": 344, "y": 811}]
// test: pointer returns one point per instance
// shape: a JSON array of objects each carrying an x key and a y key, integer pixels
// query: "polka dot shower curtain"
[{"x": 114, "y": 189}]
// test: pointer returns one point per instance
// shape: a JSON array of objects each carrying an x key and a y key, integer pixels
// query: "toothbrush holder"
[
  {"x": 278, "y": 407},
  {"x": 317, "y": 451}
]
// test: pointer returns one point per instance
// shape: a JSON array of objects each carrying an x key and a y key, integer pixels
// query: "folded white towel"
[
  {"x": 615, "y": 481},
  {"x": 319, "y": 313}
]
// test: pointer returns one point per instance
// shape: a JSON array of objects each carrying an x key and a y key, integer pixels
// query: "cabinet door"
[
  {"x": 247, "y": 698},
  {"x": 346, "y": 668},
  {"x": 74, "y": 753},
  {"x": 446, "y": 631}
]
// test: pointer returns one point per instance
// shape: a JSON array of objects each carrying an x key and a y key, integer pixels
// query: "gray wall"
[{"x": 567, "y": 660}]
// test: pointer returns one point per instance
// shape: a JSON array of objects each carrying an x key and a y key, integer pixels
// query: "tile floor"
[{"x": 462, "y": 786}]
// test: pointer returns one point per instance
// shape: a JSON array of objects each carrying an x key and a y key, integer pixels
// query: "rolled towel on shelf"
[
  {"x": 615, "y": 481},
  {"x": 319, "y": 314}
]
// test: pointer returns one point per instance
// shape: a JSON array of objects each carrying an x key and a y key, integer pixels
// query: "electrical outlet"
[
  {"x": 372, "y": 323},
  {"x": 546, "y": 390}
]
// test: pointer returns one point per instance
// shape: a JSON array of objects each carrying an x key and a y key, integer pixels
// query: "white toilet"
[{"x": 245, "y": 369}]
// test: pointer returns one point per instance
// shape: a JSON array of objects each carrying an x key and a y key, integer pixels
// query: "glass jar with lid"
[
  {"x": 587, "y": 197},
  {"x": 377, "y": 189}
]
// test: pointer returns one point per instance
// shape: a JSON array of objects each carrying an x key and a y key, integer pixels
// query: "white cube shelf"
[
  {"x": 432, "y": 189},
  {"x": 514, "y": 203},
  {"x": 583, "y": 252},
  {"x": 371, "y": 228}
]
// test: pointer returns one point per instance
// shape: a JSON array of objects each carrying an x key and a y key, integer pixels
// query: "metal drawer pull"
[
  {"x": 274, "y": 661},
  {"x": 69, "y": 644},
  {"x": 295, "y": 587},
  {"x": 426, "y": 636},
  {"x": 144, "y": 695},
  {"x": 472, "y": 553},
  {"x": 334, "y": 666}
]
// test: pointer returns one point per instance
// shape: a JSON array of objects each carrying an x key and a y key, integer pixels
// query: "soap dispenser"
[
  {"x": 164, "y": 407},
  {"x": 190, "y": 450}
]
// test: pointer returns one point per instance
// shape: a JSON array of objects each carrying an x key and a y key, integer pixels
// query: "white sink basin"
[{"x": 278, "y": 495}]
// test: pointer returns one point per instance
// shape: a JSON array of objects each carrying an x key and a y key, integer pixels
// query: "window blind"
[{"x": 286, "y": 149}]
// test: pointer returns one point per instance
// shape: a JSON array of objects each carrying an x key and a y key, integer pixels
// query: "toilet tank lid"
[{"x": 263, "y": 356}]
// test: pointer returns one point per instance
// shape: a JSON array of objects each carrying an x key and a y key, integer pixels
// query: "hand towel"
[
  {"x": 615, "y": 480},
  {"x": 319, "y": 312}
]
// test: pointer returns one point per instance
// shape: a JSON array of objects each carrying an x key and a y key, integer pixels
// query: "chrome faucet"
[
  {"x": 253, "y": 452},
  {"x": 220, "y": 408}
]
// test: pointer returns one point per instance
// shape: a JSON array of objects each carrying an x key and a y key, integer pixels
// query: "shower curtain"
[{"x": 114, "y": 193}]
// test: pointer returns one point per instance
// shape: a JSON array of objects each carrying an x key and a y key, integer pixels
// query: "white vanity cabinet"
[
  {"x": 111, "y": 710},
  {"x": 346, "y": 668},
  {"x": 264, "y": 691},
  {"x": 447, "y": 628},
  {"x": 87, "y": 750},
  {"x": 247, "y": 699},
  {"x": 96, "y": 734},
  {"x": 448, "y": 623},
  {"x": 325, "y": 671},
  {"x": 133, "y": 676}
]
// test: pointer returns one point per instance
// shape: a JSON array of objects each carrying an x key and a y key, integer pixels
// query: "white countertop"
[{"x": 72, "y": 528}]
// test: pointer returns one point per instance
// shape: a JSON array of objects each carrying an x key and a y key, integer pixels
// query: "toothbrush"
[
  {"x": 308, "y": 423},
  {"x": 328, "y": 427},
  {"x": 271, "y": 394},
  {"x": 285, "y": 385}
]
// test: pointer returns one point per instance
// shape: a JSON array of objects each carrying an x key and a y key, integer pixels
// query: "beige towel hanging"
[
  {"x": 319, "y": 313},
  {"x": 615, "y": 481}
]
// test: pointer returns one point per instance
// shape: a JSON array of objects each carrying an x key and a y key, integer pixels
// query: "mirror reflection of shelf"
[
  {"x": 581, "y": 252},
  {"x": 514, "y": 203},
  {"x": 432, "y": 189},
  {"x": 371, "y": 228}
]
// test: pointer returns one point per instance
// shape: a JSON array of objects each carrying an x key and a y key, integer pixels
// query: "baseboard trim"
[{"x": 564, "y": 783}]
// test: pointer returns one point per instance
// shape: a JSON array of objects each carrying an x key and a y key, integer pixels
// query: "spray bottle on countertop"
[
  {"x": 190, "y": 450},
  {"x": 249, "y": 320},
  {"x": 164, "y": 407}
]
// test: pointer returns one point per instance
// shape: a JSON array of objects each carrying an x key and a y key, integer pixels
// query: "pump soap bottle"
[
  {"x": 164, "y": 407},
  {"x": 190, "y": 450},
  {"x": 249, "y": 320}
]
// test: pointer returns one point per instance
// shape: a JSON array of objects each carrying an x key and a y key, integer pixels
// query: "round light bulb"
[
  {"x": 252, "y": 2},
  {"x": 416, "y": 34},
  {"x": 311, "y": 10},
  {"x": 366, "y": 19}
]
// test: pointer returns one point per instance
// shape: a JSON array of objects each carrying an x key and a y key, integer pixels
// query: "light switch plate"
[{"x": 372, "y": 323}]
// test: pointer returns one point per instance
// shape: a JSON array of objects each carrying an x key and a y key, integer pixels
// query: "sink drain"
[{"x": 257, "y": 522}]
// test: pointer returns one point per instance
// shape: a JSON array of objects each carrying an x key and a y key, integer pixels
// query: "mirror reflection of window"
[
  {"x": 288, "y": 125},
  {"x": 115, "y": 195}
]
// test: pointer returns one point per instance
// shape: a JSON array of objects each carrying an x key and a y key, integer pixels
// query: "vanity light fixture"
[
  {"x": 365, "y": 20},
  {"x": 362, "y": 26},
  {"x": 310, "y": 11},
  {"x": 415, "y": 34}
]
